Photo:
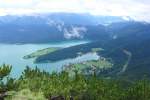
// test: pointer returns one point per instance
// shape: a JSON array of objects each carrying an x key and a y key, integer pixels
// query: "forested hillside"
[
  {"x": 34, "y": 84},
  {"x": 132, "y": 37}
]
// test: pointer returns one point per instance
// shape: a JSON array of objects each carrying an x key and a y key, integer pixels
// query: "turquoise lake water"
[{"x": 13, "y": 54}]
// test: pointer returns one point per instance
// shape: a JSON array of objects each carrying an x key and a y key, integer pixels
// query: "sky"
[{"x": 136, "y": 9}]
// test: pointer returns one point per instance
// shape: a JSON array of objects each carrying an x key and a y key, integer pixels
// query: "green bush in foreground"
[{"x": 34, "y": 84}]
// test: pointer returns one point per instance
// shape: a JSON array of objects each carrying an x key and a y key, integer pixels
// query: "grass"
[
  {"x": 40, "y": 53},
  {"x": 25, "y": 94},
  {"x": 97, "y": 49},
  {"x": 98, "y": 64}
]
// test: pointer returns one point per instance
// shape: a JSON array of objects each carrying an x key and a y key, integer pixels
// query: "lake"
[{"x": 13, "y": 54}]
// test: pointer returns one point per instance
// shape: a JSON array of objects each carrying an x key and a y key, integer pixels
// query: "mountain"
[
  {"x": 138, "y": 30},
  {"x": 129, "y": 50},
  {"x": 66, "y": 18},
  {"x": 128, "y": 33},
  {"x": 53, "y": 27}
]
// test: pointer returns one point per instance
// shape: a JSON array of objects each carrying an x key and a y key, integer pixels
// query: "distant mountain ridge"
[
  {"x": 42, "y": 28},
  {"x": 130, "y": 37},
  {"x": 67, "y": 18}
]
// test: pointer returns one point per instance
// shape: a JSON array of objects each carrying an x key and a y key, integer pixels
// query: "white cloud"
[
  {"x": 137, "y": 9},
  {"x": 69, "y": 32},
  {"x": 17, "y": 3},
  {"x": 56, "y": 23},
  {"x": 74, "y": 32}
]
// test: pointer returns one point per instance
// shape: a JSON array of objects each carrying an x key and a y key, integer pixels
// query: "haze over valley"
[{"x": 92, "y": 50}]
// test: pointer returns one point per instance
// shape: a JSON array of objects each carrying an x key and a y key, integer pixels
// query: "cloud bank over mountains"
[
  {"x": 74, "y": 32},
  {"x": 69, "y": 33},
  {"x": 136, "y": 9}
]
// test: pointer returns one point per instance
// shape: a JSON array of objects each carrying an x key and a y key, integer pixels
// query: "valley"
[
  {"x": 79, "y": 56},
  {"x": 13, "y": 54},
  {"x": 89, "y": 67},
  {"x": 74, "y": 49}
]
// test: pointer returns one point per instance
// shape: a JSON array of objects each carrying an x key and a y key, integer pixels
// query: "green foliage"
[
  {"x": 25, "y": 94},
  {"x": 4, "y": 71},
  {"x": 6, "y": 82},
  {"x": 39, "y": 85},
  {"x": 139, "y": 91}
]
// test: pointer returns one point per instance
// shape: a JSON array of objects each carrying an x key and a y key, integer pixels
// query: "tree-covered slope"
[
  {"x": 34, "y": 84},
  {"x": 132, "y": 39}
]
